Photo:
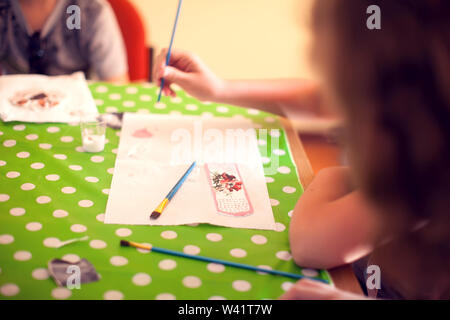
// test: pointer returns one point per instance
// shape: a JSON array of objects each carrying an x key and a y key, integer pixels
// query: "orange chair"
[{"x": 140, "y": 57}]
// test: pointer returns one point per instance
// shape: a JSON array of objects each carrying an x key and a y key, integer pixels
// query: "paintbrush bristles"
[
  {"x": 124, "y": 243},
  {"x": 155, "y": 215}
]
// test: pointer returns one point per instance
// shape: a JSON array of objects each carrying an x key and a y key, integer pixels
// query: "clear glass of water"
[{"x": 93, "y": 135}]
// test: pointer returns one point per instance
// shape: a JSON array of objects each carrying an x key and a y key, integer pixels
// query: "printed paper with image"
[{"x": 227, "y": 188}]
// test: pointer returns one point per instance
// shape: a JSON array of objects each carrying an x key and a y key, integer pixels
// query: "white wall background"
[{"x": 236, "y": 38}]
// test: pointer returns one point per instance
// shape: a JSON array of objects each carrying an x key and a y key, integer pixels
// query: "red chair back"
[{"x": 133, "y": 33}]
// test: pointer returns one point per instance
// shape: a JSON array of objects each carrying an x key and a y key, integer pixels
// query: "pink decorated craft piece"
[
  {"x": 228, "y": 190},
  {"x": 142, "y": 133}
]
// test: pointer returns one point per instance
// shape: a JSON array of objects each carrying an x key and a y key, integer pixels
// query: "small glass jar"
[{"x": 93, "y": 135}]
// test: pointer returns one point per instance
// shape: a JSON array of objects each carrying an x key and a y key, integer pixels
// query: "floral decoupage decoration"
[{"x": 228, "y": 190}]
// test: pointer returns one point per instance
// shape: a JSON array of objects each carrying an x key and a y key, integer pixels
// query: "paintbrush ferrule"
[
  {"x": 157, "y": 212},
  {"x": 126, "y": 243}
]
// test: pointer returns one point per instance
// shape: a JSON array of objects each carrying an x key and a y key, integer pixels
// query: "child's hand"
[
  {"x": 189, "y": 72},
  {"x": 306, "y": 289}
]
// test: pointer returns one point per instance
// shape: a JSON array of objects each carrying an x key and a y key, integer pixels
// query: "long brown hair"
[{"x": 393, "y": 87}]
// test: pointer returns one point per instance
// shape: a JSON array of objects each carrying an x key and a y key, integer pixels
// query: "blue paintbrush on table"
[
  {"x": 157, "y": 212},
  {"x": 126, "y": 243}
]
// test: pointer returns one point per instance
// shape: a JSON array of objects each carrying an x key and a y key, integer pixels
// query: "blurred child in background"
[
  {"x": 35, "y": 38},
  {"x": 393, "y": 89},
  {"x": 391, "y": 86}
]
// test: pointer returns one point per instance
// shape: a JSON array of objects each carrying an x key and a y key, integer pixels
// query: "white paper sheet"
[
  {"x": 71, "y": 93},
  {"x": 155, "y": 151}
]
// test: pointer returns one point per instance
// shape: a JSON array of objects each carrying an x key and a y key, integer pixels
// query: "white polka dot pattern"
[{"x": 55, "y": 191}]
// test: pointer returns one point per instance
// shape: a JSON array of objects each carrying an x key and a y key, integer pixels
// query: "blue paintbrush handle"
[
  {"x": 234, "y": 264},
  {"x": 170, "y": 45},
  {"x": 181, "y": 181},
  {"x": 160, "y": 89}
]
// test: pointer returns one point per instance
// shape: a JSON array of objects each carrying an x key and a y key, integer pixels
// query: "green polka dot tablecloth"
[{"x": 52, "y": 191}]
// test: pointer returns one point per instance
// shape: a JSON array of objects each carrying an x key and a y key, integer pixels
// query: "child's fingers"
[
  {"x": 306, "y": 289},
  {"x": 159, "y": 73},
  {"x": 177, "y": 55},
  {"x": 161, "y": 56},
  {"x": 173, "y": 94},
  {"x": 166, "y": 90},
  {"x": 174, "y": 75},
  {"x": 160, "y": 63}
]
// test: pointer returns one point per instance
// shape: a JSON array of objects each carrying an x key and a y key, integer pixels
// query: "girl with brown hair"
[{"x": 391, "y": 86}]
